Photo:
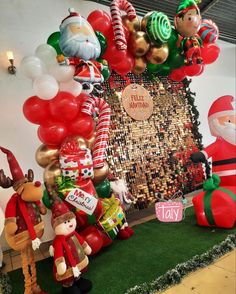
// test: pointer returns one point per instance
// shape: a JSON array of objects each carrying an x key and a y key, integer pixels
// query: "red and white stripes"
[
  {"x": 102, "y": 128},
  {"x": 115, "y": 8}
]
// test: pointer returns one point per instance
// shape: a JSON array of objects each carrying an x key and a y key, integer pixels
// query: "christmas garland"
[
  {"x": 5, "y": 286},
  {"x": 175, "y": 275}
]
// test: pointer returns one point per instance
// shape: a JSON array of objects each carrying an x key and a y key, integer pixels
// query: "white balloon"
[
  {"x": 32, "y": 67},
  {"x": 72, "y": 87},
  {"x": 45, "y": 87},
  {"x": 47, "y": 54},
  {"x": 62, "y": 73}
]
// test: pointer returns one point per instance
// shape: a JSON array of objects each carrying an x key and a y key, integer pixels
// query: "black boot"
[
  {"x": 84, "y": 285},
  {"x": 71, "y": 290}
]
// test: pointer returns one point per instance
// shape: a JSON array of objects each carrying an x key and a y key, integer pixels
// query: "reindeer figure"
[{"x": 23, "y": 223}]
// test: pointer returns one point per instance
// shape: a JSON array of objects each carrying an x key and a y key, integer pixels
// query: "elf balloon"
[
  {"x": 81, "y": 47},
  {"x": 187, "y": 23},
  {"x": 23, "y": 224},
  {"x": 70, "y": 251},
  {"x": 222, "y": 123}
]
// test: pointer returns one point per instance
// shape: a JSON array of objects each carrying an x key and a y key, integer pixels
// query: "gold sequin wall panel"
[{"x": 153, "y": 155}]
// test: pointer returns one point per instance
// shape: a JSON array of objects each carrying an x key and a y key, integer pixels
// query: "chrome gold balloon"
[
  {"x": 132, "y": 25},
  {"x": 90, "y": 141},
  {"x": 100, "y": 174},
  {"x": 138, "y": 43},
  {"x": 44, "y": 155},
  {"x": 158, "y": 55},
  {"x": 51, "y": 172},
  {"x": 140, "y": 64},
  {"x": 144, "y": 21}
]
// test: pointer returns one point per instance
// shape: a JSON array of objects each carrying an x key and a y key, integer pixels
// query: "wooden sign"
[
  {"x": 169, "y": 211},
  {"x": 82, "y": 200},
  {"x": 137, "y": 102}
]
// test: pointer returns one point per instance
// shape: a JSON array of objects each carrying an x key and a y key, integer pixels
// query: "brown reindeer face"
[{"x": 30, "y": 191}]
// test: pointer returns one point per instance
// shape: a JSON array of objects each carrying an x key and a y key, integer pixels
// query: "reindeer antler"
[
  {"x": 30, "y": 175},
  {"x": 5, "y": 182}
]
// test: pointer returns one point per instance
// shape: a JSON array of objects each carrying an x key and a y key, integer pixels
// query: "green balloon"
[
  {"x": 152, "y": 68},
  {"x": 106, "y": 71},
  {"x": 46, "y": 200},
  {"x": 165, "y": 69},
  {"x": 172, "y": 41},
  {"x": 175, "y": 60},
  {"x": 103, "y": 41},
  {"x": 103, "y": 189},
  {"x": 53, "y": 40}
]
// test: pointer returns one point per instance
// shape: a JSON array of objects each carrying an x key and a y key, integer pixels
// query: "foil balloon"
[
  {"x": 45, "y": 155},
  {"x": 90, "y": 141},
  {"x": 100, "y": 174},
  {"x": 132, "y": 25},
  {"x": 158, "y": 55},
  {"x": 144, "y": 21},
  {"x": 209, "y": 31},
  {"x": 51, "y": 172},
  {"x": 140, "y": 65},
  {"x": 138, "y": 43}
]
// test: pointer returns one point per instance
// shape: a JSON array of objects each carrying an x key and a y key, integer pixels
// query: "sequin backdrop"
[{"x": 153, "y": 155}]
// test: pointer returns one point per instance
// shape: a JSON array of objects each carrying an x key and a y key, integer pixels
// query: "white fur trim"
[
  {"x": 221, "y": 113},
  {"x": 226, "y": 173}
]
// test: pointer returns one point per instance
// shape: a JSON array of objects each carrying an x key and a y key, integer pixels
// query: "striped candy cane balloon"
[
  {"x": 102, "y": 128},
  {"x": 115, "y": 8},
  {"x": 209, "y": 31}
]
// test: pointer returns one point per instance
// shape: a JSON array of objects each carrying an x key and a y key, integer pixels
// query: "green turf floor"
[{"x": 154, "y": 248}]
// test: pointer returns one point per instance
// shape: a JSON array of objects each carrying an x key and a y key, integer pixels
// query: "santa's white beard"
[
  {"x": 227, "y": 132},
  {"x": 80, "y": 46}
]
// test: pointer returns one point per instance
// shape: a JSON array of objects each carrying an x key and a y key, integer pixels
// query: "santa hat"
[
  {"x": 60, "y": 213},
  {"x": 223, "y": 106},
  {"x": 186, "y": 5},
  {"x": 74, "y": 17},
  {"x": 16, "y": 172}
]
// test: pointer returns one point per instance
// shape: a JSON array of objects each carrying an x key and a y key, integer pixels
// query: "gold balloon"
[
  {"x": 158, "y": 55},
  {"x": 51, "y": 172},
  {"x": 44, "y": 155},
  {"x": 138, "y": 43},
  {"x": 144, "y": 21},
  {"x": 90, "y": 142},
  {"x": 132, "y": 25},
  {"x": 100, "y": 174},
  {"x": 140, "y": 64},
  {"x": 80, "y": 140}
]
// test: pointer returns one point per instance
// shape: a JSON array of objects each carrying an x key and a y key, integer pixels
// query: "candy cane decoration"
[
  {"x": 115, "y": 8},
  {"x": 102, "y": 127}
]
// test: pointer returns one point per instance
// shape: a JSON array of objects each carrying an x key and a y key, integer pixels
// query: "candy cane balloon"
[
  {"x": 115, "y": 8},
  {"x": 102, "y": 127}
]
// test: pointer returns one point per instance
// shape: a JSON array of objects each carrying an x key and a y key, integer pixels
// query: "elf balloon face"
[
  {"x": 79, "y": 40},
  {"x": 66, "y": 228},
  {"x": 188, "y": 23}
]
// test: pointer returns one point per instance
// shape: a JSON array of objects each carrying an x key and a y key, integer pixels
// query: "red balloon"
[
  {"x": 36, "y": 110},
  {"x": 202, "y": 70},
  {"x": 81, "y": 99},
  {"x": 52, "y": 133},
  {"x": 93, "y": 237},
  {"x": 82, "y": 125},
  {"x": 192, "y": 70},
  {"x": 177, "y": 75},
  {"x": 100, "y": 21},
  {"x": 210, "y": 52},
  {"x": 125, "y": 66},
  {"x": 64, "y": 107}
]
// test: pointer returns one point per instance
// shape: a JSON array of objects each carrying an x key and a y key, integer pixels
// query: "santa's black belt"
[{"x": 225, "y": 161}]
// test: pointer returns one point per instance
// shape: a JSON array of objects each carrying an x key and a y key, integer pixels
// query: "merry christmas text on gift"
[
  {"x": 169, "y": 211},
  {"x": 82, "y": 200}
]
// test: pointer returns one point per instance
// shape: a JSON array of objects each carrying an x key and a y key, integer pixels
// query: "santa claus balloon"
[{"x": 222, "y": 123}]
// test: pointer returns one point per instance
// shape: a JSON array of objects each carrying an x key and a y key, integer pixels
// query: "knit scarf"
[
  {"x": 27, "y": 219},
  {"x": 67, "y": 249}
]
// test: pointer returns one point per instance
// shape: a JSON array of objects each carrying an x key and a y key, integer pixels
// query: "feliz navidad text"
[{"x": 137, "y": 101}]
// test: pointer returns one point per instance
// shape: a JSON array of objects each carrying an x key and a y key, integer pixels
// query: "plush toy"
[
  {"x": 81, "y": 47},
  {"x": 187, "y": 22},
  {"x": 222, "y": 123},
  {"x": 70, "y": 251},
  {"x": 23, "y": 224},
  {"x": 120, "y": 189}
]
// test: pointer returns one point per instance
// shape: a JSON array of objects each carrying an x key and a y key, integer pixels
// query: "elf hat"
[
  {"x": 17, "y": 175},
  {"x": 72, "y": 18},
  {"x": 186, "y": 5},
  {"x": 60, "y": 213}
]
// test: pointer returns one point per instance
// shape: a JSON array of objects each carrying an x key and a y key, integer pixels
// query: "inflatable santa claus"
[{"x": 222, "y": 123}]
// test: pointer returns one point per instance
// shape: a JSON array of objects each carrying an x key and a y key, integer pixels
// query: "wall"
[{"x": 26, "y": 24}]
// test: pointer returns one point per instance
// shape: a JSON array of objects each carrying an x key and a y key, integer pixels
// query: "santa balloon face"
[
  {"x": 188, "y": 24},
  {"x": 66, "y": 228},
  {"x": 225, "y": 127},
  {"x": 79, "y": 40}
]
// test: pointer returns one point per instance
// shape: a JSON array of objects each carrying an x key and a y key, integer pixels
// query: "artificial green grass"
[{"x": 154, "y": 248}]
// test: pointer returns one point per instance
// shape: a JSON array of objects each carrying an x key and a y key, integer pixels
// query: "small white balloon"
[
  {"x": 45, "y": 87},
  {"x": 72, "y": 87},
  {"x": 32, "y": 67},
  {"x": 62, "y": 73},
  {"x": 47, "y": 54}
]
